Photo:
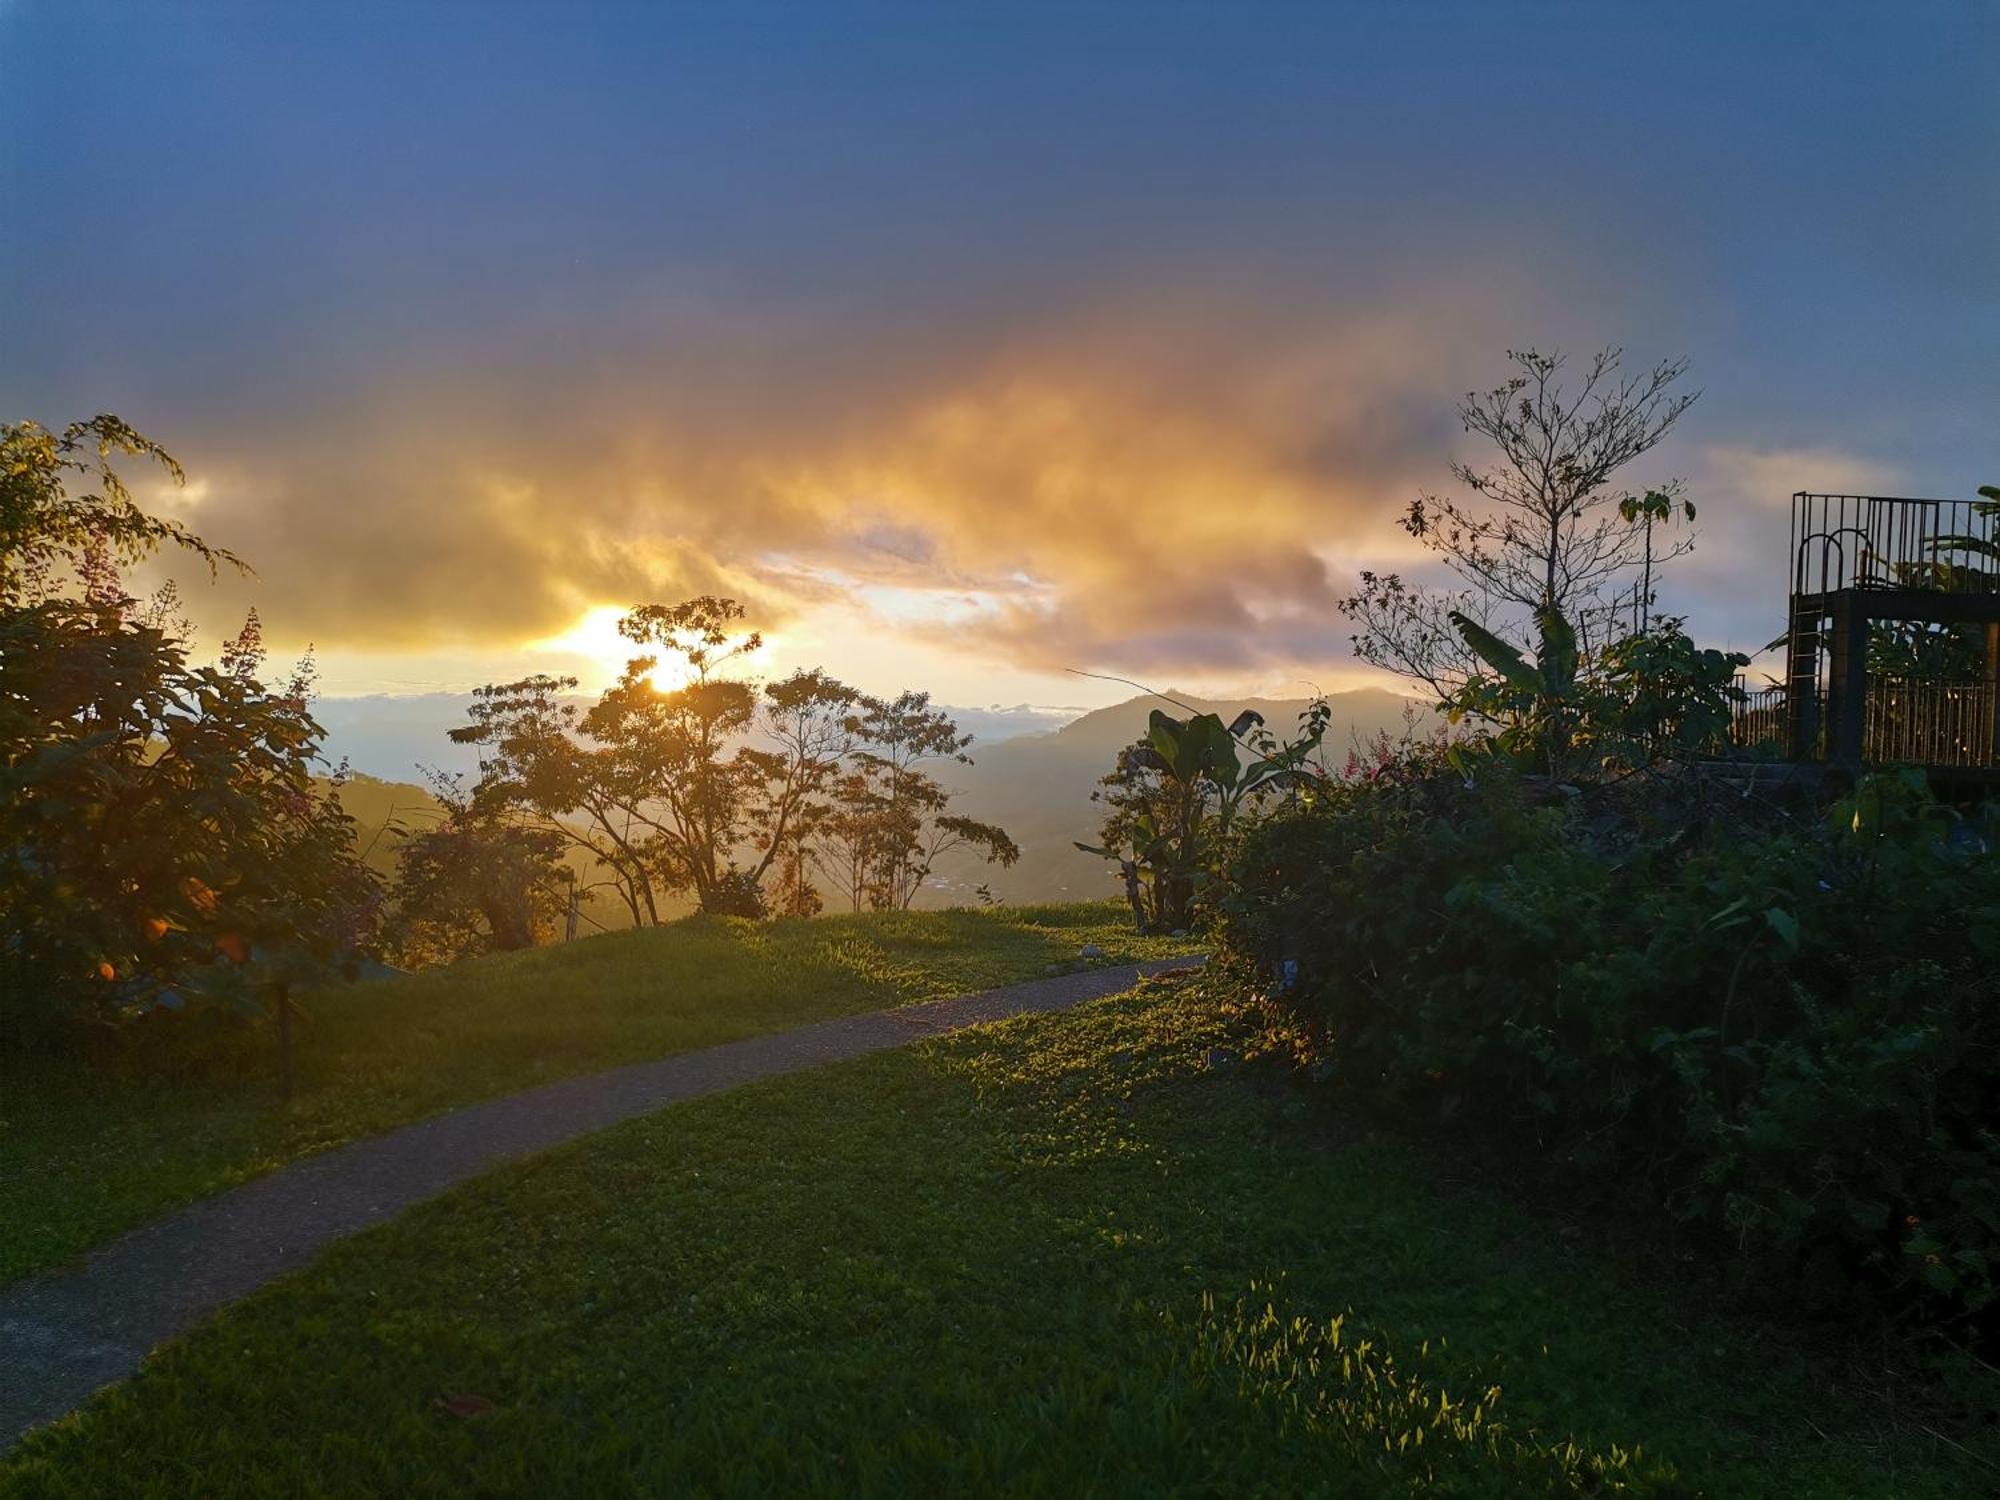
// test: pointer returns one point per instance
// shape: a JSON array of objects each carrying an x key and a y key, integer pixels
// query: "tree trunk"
[{"x": 282, "y": 993}]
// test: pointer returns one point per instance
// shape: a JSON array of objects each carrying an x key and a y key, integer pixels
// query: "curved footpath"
[{"x": 64, "y": 1334}]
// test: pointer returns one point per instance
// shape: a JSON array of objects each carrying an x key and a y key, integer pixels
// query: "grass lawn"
[
  {"x": 1034, "y": 1260},
  {"x": 85, "y": 1154}
]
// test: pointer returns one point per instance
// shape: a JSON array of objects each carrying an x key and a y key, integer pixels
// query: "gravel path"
[{"x": 64, "y": 1334}]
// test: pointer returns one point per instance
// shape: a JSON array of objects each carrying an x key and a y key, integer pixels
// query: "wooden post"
[
  {"x": 1847, "y": 683},
  {"x": 1992, "y": 716},
  {"x": 1802, "y": 705}
]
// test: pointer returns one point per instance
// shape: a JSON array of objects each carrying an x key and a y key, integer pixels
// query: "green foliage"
[
  {"x": 716, "y": 789},
  {"x": 46, "y": 530},
  {"x": 102, "y": 1143},
  {"x": 1784, "y": 1033},
  {"x": 979, "y": 1267},
  {"x": 167, "y": 846},
  {"x": 887, "y": 818},
  {"x": 1536, "y": 704},
  {"x": 1174, "y": 798},
  {"x": 1660, "y": 698},
  {"x": 1649, "y": 697},
  {"x": 1347, "y": 1390},
  {"x": 478, "y": 880},
  {"x": 1543, "y": 532},
  {"x": 1953, "y": 550},
  {"x": 1958, "y": 563}
]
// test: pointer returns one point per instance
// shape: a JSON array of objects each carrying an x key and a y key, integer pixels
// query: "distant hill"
[
  {"x": 386, "y": 812},
  {"x": 392, "y": 736},
  {"x": 1038, "y": 786},
  {"x": 381, "y": 808}
]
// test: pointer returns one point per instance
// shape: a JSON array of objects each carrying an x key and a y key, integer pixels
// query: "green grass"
[
  {"x": 88, "y": 1153},
  {"x": 1065, "y": 1256}
]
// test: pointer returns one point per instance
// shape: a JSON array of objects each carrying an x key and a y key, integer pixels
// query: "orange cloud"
[{"x": 1145, "y": 488}]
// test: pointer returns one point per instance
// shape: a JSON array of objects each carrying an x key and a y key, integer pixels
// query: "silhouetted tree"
[
  {"x": 479, "y": 880},
  {"x": 717, "y": 788},
  {"x": 891, "y": 822},
  {"x": 1545, "y": 532}
]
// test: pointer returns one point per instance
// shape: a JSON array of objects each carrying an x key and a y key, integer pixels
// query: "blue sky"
[{"x": 970, "y": 342}]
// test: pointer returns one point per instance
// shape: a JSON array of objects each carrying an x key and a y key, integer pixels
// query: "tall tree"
[
  {"x": 808, "y": 728},
  {"x": 718, "y": 789},
  {"x": 674, "y": 751},
  {"x": 1545, "y": 533},
  {"x": 893, "y": 822},
  {"x": 534, "y": 760}
]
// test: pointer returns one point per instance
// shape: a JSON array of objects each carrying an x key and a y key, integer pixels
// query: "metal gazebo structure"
[{"x": 1869, "y": 567}]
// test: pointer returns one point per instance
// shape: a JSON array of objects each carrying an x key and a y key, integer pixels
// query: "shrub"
[
  {"x": 1787, "y": 1030},
  {"x": 479, "y": 880},
  {"x": 165, "y": 844},
  {"x": 1174, "y": 798}
]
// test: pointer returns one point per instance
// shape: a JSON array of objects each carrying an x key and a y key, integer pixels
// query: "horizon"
[
  {"x": 400, "y": 746},
  {"x": 968, "y": 347}
]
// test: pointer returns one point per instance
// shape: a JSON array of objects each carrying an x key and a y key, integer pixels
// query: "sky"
[{"x": 968, "y": 344}]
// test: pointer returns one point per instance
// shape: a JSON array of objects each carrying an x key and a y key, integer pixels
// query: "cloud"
[
  {"x": 1139, "y": 487},
  {"x": 1735, "y": 582},
  {"x": 1771, "y": 476}
]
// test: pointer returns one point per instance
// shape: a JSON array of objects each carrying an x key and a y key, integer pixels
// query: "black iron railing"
[
  {"x": 1758, "y": 717},
  {"x": 1890, "y": 542},
  {"x": 1906, "y": 721}
]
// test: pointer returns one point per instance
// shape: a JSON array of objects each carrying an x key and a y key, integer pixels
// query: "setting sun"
[{"x": 604, "y": 652}]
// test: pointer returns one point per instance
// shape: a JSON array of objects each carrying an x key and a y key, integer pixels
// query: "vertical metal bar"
[
  {"x": 1992, "y": 715},
  {"x": 1847, "y": 686}
]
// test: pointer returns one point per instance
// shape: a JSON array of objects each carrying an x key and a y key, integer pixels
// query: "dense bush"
[
  {"x": 1787, "y": 1028},
  {"x": 478, "y": 880},
  {"x": 1173, "y": 799},
  {"x": 166, "y": 842}
]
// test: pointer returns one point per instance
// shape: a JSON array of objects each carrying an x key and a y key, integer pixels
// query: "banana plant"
[
  {"x": 1175, "y": 795},
  {"x": 1539, "y": 697},
  {"x": 1985, "y": 548}
]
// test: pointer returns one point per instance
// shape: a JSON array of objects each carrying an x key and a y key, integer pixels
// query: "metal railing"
[
  {"x": 1759, "y": 717},
  {"x": 1913, "y": 722},
  {"x": 1906, "y": 721},
  {"x": 1891, "y": 542}
]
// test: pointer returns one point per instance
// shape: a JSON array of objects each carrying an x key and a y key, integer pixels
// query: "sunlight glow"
[{"x": 595, "y": 638}]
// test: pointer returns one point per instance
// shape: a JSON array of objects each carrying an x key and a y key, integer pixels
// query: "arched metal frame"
[{"x": 1860, "y": 559}]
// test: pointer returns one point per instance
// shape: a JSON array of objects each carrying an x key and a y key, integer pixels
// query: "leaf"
[
  {"x": 1246, "y": 721},
  {"x": 1168, "y": 738},
  {"x": 1557, "y": 660},
  {"x": 1785, "y": 925},
  {"x": 1497, "y": 654},
  {"x": 466, "y": 1406}
]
